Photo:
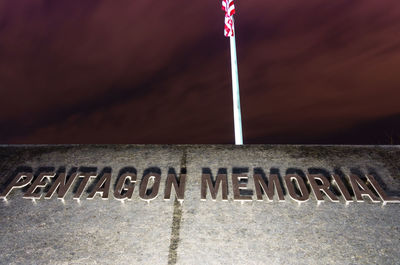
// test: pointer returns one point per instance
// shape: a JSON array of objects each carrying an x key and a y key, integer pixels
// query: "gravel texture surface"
[{"x": 199, "y": 232}]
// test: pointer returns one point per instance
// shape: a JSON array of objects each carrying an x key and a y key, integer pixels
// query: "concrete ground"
[{"x": 199, "y": 232}]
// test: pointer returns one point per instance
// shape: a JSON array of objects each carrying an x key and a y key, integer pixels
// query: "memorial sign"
[{"x": 187, "y": 204}]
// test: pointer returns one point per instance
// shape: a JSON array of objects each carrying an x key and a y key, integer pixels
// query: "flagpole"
[{"x": 235, "y": 92}]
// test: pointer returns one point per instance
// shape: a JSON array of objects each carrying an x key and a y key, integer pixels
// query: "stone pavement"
[{"x": 110, "y": 224}]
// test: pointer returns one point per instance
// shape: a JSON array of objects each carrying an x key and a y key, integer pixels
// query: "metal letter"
[
  {"x": 356, "y": 184},
  {"x": 206, "y": 179},
  {"x": 179, "y": 188},
  {"x": 324, "y": 187},
  {"x": 62, "y": 184},
  {"x": 38, "y": 183},
  {"x": 102, "y": 187},
  {"x": 20, "y": 180},
  {"x": 342, "y": 188},
  {"x": 268, "y": 188},
  {"x": 385, "y": 198},
  {"x": 129, "y": 188},
  {"x": 154, "y": 189},
  {"x": 238, "y": 185},
  {"x": 82, "y": 185},
  {"x": 301, "y": 185}
]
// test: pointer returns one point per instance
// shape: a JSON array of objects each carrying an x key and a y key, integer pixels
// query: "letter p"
[{"x": 20, "y": 180}]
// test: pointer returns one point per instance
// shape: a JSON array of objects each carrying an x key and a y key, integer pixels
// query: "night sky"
[{"x": 148, "y": 71}]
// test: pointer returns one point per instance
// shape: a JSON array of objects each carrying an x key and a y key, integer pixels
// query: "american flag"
[{"x": 229, "y": 8}]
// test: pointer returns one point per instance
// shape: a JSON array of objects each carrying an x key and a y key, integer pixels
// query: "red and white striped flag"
[{"x": 229, "y": 8}]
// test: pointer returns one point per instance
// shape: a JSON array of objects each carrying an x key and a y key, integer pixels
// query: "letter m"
[{"x": 214, "y": 186}]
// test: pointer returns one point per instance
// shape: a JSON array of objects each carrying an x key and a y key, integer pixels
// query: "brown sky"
[{"x": 146, "y": 71}]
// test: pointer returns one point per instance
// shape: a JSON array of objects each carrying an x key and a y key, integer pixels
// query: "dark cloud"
[{"x": 158, "y": 71}]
